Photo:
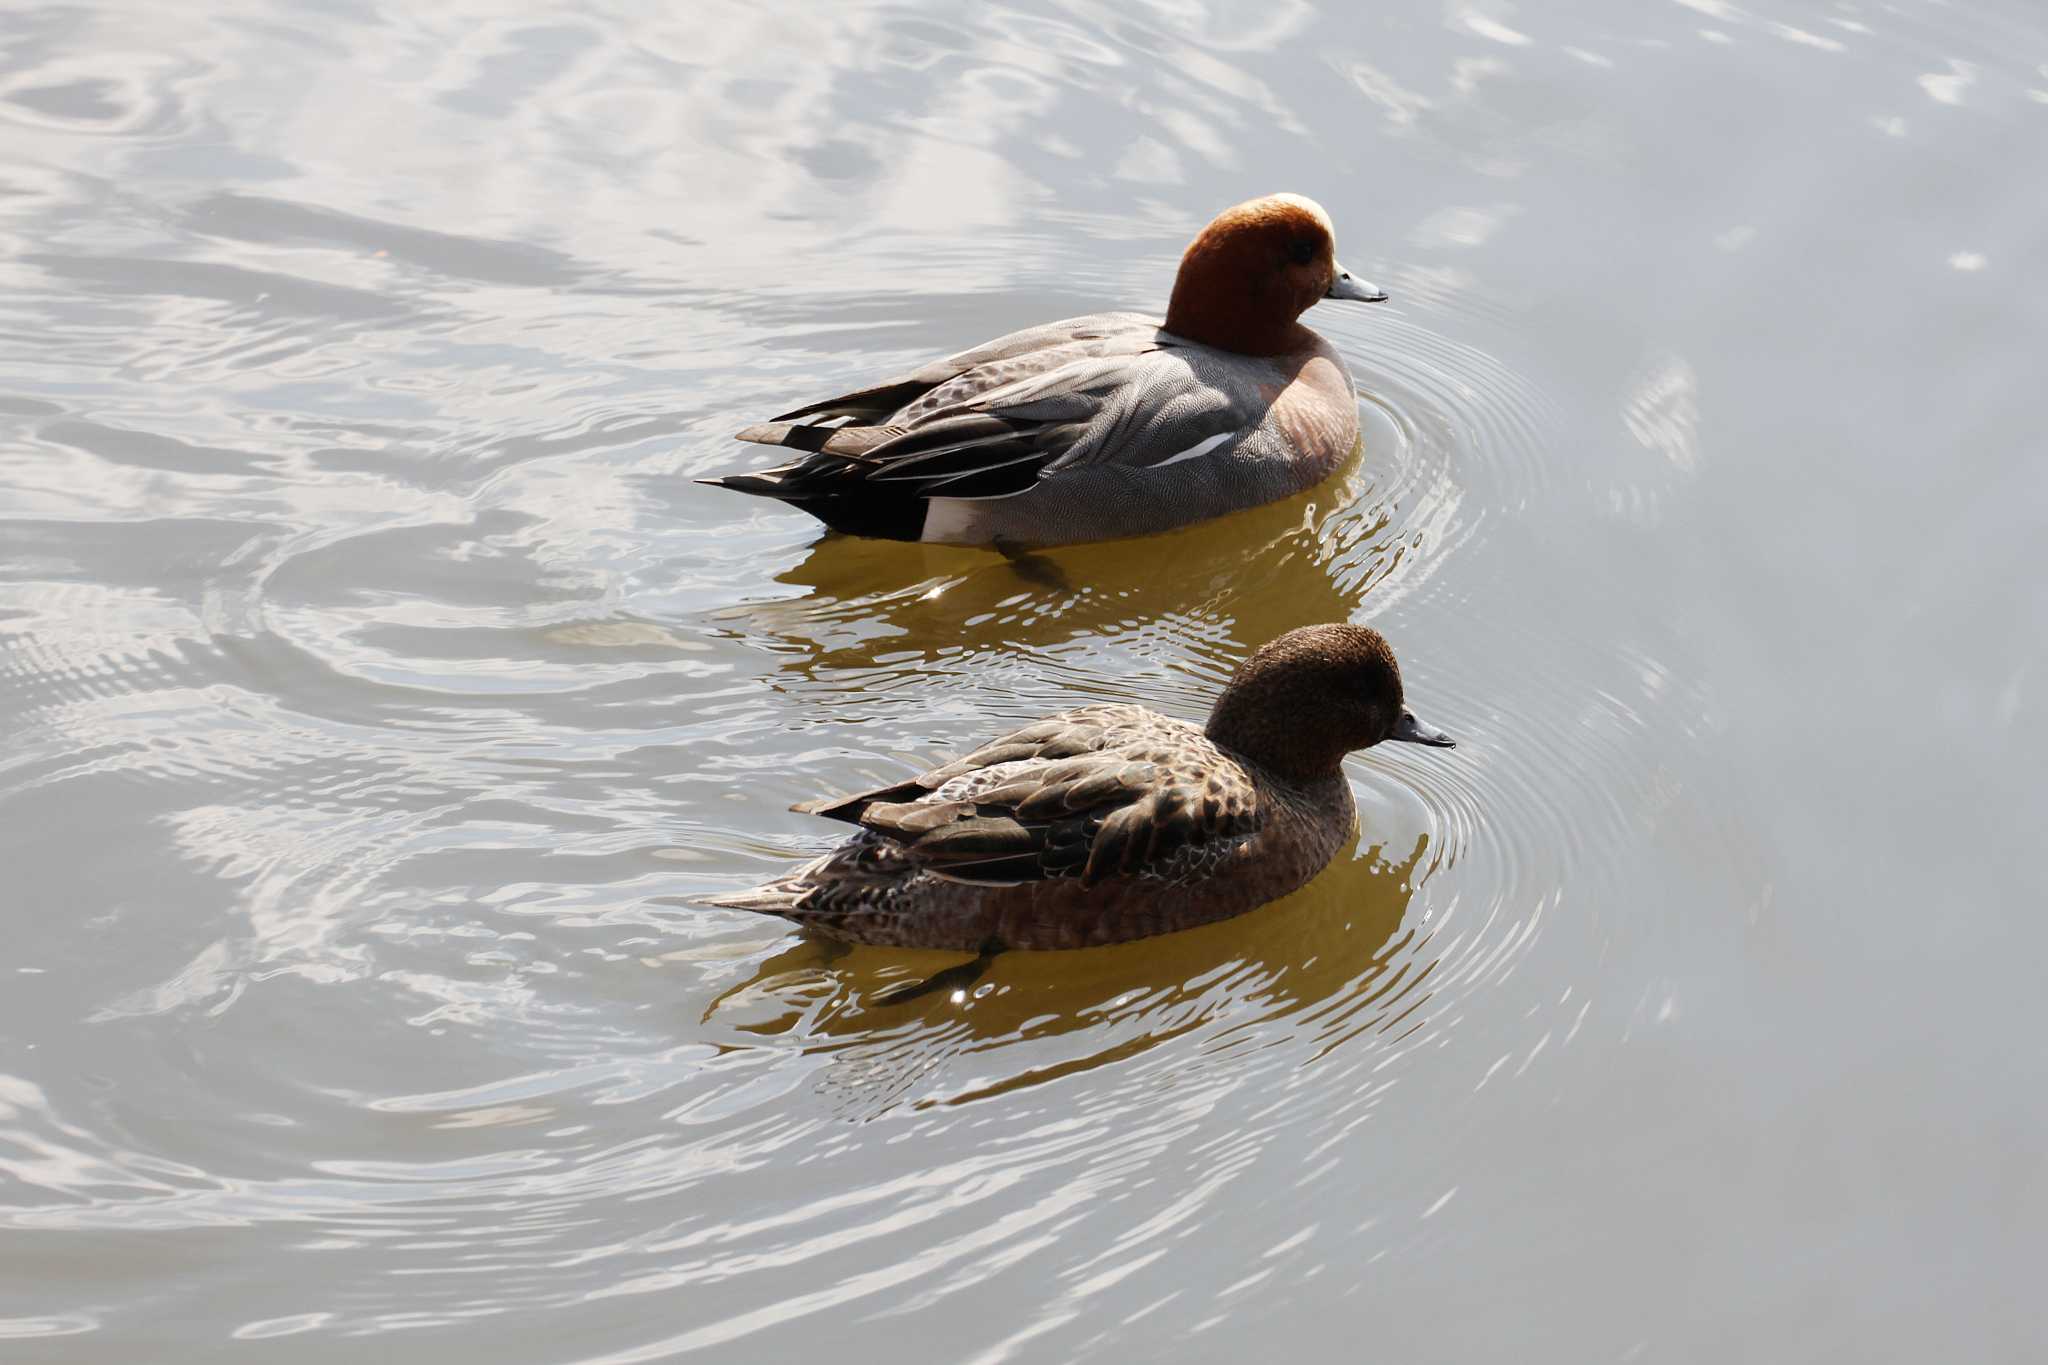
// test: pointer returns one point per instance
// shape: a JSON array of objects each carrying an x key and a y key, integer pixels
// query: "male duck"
[
  {"x": 1109, "y": 425},
  {"x": 1112, "y": 822}
]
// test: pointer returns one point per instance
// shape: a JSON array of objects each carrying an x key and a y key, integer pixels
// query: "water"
[{"x": 377, "y": 691}]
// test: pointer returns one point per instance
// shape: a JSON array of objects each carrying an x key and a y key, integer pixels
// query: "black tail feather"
[
  {"x": 851, "y": 507},
  {"x": 865, "y": 404}
]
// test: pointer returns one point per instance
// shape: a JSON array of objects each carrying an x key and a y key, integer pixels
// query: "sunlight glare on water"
[{"x": 379, "y": 696}]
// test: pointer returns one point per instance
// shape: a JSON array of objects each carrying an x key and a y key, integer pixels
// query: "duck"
[
  {"x": 1104, "y": 426},
  {"x": 1111, "y": 822}
]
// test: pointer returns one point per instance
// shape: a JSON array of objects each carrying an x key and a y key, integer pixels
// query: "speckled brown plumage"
[{"x": 1111, "y": 822}]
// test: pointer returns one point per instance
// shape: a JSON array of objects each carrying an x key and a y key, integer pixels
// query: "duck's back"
[{"x": 1025, "y": 354}]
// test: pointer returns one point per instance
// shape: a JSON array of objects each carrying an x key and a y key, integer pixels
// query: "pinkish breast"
[{"x": 1318, "y": 413}]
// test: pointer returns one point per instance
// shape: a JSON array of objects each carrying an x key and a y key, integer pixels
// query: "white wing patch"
[
  {"x": 1202, "y": 447},
  {"x": 950, "y": 521}
]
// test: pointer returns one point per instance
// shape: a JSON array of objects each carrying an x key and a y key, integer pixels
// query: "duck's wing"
[
  {"x": 992, "y": 423},
  {"x": 1095, "y": 793},
  {"x": 1016, "y": 355}
]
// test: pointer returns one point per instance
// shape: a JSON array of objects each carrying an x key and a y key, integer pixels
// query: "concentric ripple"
[{"x": 380, "y": 699}]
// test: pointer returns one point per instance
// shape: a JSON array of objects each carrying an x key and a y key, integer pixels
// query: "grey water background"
[{"x": 376, "y": 691}]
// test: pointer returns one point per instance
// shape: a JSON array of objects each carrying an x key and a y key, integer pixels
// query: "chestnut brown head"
[{"x": 1255, "y": 269}]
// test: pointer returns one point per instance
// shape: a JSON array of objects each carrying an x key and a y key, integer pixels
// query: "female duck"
[
  {"x": 1108, "y": 425},
  {"x": 1112, "y": 822}
]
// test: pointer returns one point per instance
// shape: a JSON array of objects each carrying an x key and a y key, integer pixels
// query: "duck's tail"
[
  {"x": 828, "y": 481},
  {"x": 772, "y": 898},
  {"x": 793, "y": 898}
]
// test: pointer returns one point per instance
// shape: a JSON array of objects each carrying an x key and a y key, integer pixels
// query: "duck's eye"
[{"x": 1302, "y": 252}]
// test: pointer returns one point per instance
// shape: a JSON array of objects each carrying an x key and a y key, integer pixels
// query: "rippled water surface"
[{"x": 378, "y": 694}]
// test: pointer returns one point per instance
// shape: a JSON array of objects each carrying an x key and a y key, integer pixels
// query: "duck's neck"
[
  {"x": 1280, "y": 739},
  {"x": 1213, "y": 327},
  {"x": 1223, "y": 299}
]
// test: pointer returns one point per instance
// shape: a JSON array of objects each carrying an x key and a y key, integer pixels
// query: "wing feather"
[
  {"x": 994, "y": 422},
  {"x": 1089, "y": 794}
]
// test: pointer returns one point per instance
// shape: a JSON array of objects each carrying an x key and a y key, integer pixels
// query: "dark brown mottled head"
[
  {"x": 1303, "y": 701},
  {"x": 1254, "y": 270}
]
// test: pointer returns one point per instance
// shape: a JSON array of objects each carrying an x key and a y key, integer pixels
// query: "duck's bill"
[
  {"x": 1348, "y": 286},
  {"x": 1414, "y": 731}
]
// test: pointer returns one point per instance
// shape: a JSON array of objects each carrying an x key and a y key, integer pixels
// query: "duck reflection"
[
  {"x": 1333, "y": 958},
  {"x": 1224, "y": 587}
]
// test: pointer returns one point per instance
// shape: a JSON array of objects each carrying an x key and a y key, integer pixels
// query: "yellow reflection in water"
[
  {"x": 1224, "y": 586},
  {"x": 1332, "y": 956}
]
